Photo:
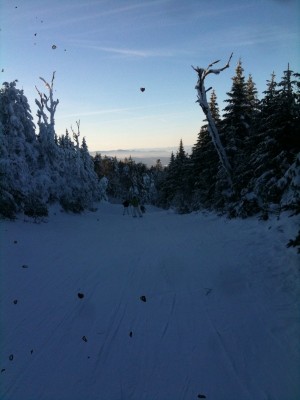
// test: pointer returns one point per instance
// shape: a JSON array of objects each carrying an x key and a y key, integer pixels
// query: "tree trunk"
[{"x": 213, "y": 131}]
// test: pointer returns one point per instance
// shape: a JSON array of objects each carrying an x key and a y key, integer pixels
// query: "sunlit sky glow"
[{"x": 106, "y": 50}]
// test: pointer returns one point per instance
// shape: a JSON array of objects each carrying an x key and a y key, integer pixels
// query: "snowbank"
[{"x": 219, "y": 317}]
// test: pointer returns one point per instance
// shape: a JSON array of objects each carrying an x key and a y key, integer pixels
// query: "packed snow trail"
[{"x": 219, "y": 316}]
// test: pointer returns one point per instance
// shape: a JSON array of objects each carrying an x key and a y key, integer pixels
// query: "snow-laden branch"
[
  {"x": 41, "y": 113},
  {"x": 202, "y": 100},
  {"x": 203, "y": 72}
]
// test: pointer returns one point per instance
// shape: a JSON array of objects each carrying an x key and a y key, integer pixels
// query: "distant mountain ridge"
[{"x": 147, "y": 156}]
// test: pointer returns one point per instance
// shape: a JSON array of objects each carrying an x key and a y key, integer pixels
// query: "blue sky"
[{"x": 107, "y": 49}]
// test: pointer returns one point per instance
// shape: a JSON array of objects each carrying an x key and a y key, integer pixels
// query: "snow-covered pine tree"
[
  {"x": 67, "y": 169},
  {"x": 89, "y": 177},
  {"x": 81, "y": 181},
  {"x": 290, "y": 186},
  {"x": 69, "y": 172},
  {"x": 38, "y": 169},
  {"x": 18, "y": 157}
]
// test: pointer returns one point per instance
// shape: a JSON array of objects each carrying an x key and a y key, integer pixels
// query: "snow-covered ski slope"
[{"x": 219, "y": 317}]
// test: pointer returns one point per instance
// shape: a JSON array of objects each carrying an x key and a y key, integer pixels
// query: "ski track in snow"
[{"x": 221, "y": 315}]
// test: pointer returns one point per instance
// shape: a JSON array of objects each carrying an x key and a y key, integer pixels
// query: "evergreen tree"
[
  {"x": 88, "y": 176},
  {"x": 175, "y": 189},
  {"x": 214, "y": 108},
  {"x": 82, "y": 184},
  {"x": 37, "y": 169},
  {"x": 252, "y": 100},
  {"x": 172, "y": 160},
  {"x": 18, "y": 149},
  {"x": 108, "y": 167},
  {"x": 235, "y": 118},
  {"x": 167, "y": 187},
  {"x": 260, "y": 160},
  {"x": 157, "y": 176},
  {"x": 279, "y": 138},
  {"x": 288, "y": 135},
  {"x": 183, "y": 196},
  {"x": 238, "y": 132},
  {"x": 289, "y": 184},
  {"x": 204, "y": 162}
]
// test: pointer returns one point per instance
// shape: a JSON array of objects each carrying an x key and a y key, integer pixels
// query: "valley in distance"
[{"x": 148, "y": 156}]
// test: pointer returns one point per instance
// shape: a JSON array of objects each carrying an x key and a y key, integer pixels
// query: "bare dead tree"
[
  {"x": 202, "y": 100},
  {"x": 47, "y": 102}
]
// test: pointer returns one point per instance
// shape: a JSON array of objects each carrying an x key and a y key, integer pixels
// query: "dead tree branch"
[
  {"x": 76, "y": 134},
  {"x": 49, "y": 103}
]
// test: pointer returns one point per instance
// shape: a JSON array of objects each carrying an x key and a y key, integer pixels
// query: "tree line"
[
  {"x": 260, "y": 138},
  {"x": 37, "y": 167},
  {"x": 261, "y": 141}
]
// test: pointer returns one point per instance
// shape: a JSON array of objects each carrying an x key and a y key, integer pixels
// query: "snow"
[{"x": 221, "y": 316}]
